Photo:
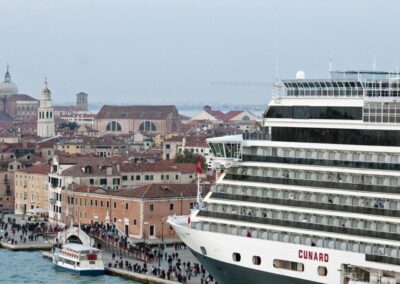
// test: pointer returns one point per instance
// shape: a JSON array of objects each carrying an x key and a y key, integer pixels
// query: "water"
[{"x": 31, "y": 267}]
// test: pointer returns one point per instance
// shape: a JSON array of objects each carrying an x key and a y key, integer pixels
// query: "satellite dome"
[
  {"x": 300, "y": 75},
  {"x": 8, "y": 88}
]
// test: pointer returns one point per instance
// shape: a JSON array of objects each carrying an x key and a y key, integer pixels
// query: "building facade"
[
  {"x": 140, "y": 213},
  {"x": 132, "y": 119},
  {"x": 31, "y": 188}
]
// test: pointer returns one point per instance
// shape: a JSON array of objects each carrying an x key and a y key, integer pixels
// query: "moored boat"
[{"x": 79, "y": 259}]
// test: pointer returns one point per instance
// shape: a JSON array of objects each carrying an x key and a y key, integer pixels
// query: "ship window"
[
  {"x": 203, "y": 250},
  {"x": 256, "y": 260},
  {"x": 236, "y": 256},
  {"x": 289, "y": 265},
  {"x": 322, "y": 271}
]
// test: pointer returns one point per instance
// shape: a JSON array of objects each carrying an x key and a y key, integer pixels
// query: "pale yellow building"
[{"x": 31, "y": 188}]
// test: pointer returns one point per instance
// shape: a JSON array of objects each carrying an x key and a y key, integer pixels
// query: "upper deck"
[{"x": 345, "y": 84}]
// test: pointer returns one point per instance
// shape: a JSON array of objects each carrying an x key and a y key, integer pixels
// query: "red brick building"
[{"x": 140, "y": 212}]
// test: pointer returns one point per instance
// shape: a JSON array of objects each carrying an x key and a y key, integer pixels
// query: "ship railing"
[
  {"x": 301, "y": 225},
  {"x": 309, "y": 204},
  {"x": 314, "y": 183},
  {"x": 322, "y": 162},
  {"x": 383, "y": 259}
]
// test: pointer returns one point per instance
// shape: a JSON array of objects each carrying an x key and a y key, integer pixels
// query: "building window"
[
  {"x": 167, "y": 177},
  {"x": 134, "y": 221},
  {"x": 108, "y": 204},
  {"x": 176, "y": 177},
  {"x": 126, "y": 206},
  {"x": 95, "y": 203},
  {"x": 322, "y": 271},
  {"x": 256, "y": 260},
  {"x": 146, "y": 177},
  {"x": 162, "y": 177},
  {"x": 289, "y": 265},
  {"x": 191, "y": 205},
  {"x": 147, "y": 126},
  {"x": 124, "y": 177},
  {"x": 113, "y": 126},
  {"x": 171, "y": 206},
  {"x": 151, "y": 207},
  {"x": 132, "y": 177},
  {"x": 167, "y": 146},
  {"x": 236, "y": 257},
  {"x": 203, "y": 250},
  {"x": 115, "y": 204},
  {"x": 101, "y": 203},
  {"x": 137, "y": 177}
]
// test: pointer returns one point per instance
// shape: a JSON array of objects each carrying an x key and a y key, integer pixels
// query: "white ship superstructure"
[{"x": 315, "y": 196}]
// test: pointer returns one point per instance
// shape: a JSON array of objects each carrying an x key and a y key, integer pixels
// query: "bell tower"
[{"x": 45, "y": 122}]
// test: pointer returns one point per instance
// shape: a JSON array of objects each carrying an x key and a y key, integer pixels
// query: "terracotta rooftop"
[
  {"x": 162, "y": 191},
  {"x": 160, "y": 166},
  {"x": 136, "y": 112},
  {"x": 37, "y": 169}
]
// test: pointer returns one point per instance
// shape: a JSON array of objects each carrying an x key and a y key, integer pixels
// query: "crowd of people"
[
  {"x": 157, "y": 261},
  {"x": 14, "y": 233},
  {"x": 175, "y": 269}
]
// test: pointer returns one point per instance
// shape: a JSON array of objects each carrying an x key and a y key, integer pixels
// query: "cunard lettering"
[{"x": 312, "y": 255}]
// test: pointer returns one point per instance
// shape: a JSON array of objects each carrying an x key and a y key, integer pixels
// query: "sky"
[{"x": 170, "y": 51}]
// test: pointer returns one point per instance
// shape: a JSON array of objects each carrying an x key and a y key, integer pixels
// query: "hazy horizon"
[{"x": 169, "y": 52}]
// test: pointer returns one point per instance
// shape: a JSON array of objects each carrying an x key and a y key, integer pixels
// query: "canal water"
[{"x": 31, "y": 267}]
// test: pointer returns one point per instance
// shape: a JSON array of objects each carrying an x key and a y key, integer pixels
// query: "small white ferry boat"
[{"x": 79, "y": 259}]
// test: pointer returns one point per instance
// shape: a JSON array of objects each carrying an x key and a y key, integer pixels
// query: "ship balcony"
[
  {"x": 332, "y": 224},
  {"x": 322, "y": 162},
  {"x": 374, "y": 251},
  {"x": 358, "y": 205},
  {"x": 311, "y": 182}
]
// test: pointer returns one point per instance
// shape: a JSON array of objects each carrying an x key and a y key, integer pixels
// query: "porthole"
[
  {"x": 236, "y": 256},
  {"x": 256, "y": 260},
  {"x": 203, "y": 250},
  {"x": 322, "y": 271}
]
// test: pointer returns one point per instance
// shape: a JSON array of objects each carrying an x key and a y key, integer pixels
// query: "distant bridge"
[{"x": 75, "y": 235}]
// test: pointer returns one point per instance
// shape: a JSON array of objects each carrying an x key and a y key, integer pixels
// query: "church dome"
[{"x": 8, "y": 88}]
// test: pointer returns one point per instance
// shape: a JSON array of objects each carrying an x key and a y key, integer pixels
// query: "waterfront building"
[
  {"x": 138, "y": 212},
  {"x": 45, "y": 121},
  {"x": 6, "y": 190},
  {"x": 116, "y": 120},
  {"x": 314, "y": 196},
  {"x": 82, "y": 170},
  {"x": 31, "y": 188}
]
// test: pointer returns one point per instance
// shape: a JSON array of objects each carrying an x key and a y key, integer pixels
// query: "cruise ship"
[{"x": 314, "y": 196}]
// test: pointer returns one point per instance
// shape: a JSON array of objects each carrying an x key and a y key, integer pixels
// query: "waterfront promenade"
[{"x": 147, "y": 263}]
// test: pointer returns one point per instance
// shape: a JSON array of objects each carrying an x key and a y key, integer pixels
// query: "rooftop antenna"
[
  {"x": 374, "y": 64},
  {"x": 276, "y": 54}
]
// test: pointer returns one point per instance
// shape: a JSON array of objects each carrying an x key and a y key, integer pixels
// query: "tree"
[{"x": 189, "y": 157}]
